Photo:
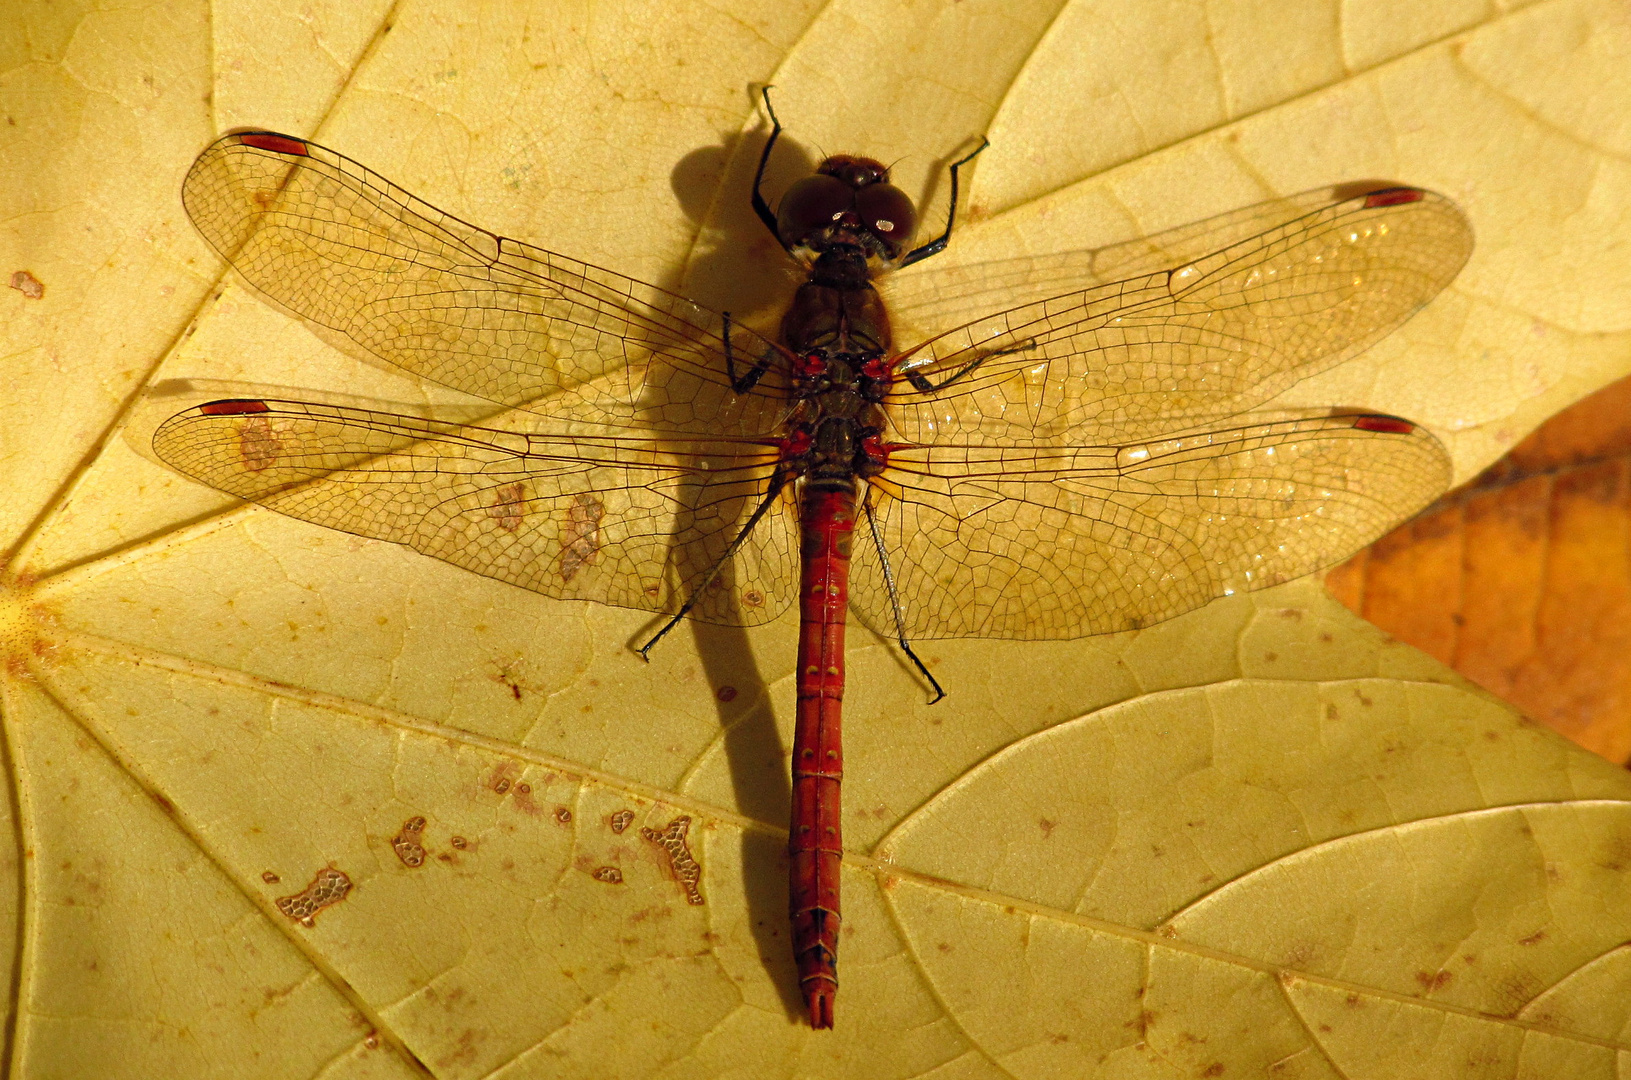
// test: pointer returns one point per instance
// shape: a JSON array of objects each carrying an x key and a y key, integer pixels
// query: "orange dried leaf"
[{"x": 1522, "y": 580}]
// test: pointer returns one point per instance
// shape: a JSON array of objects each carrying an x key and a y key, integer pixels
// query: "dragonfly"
[{"x": 1058, "y": 456}]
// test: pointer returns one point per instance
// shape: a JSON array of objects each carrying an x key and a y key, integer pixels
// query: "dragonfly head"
[{"x": 849, "y": 202}]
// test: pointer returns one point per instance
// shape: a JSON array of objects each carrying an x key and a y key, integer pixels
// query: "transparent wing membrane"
[
  {"x": 626, "y": 519},
  {"x": 1203, "y": 341},
  {"x": 1070, "y": 539},
  {"x": 953, "y": 291},
  {"x": 344, "y": 247}
]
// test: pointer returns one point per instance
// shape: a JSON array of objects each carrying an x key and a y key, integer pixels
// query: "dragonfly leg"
[
  {"x": 749, "y": 378},
  {"x": 894, "y": 599},
  {"x": 938, "y": 244},
  {"x": 776, "y": 484},
  {"x": 761, "y": 207},
  {"x": 924, "y": 385}
]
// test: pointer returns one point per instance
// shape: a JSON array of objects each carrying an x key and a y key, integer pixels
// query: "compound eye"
[
  {"x": 886, "y": 211},
  {"x": 812, "y": 204},
  {"x": 857, "y": 172}
]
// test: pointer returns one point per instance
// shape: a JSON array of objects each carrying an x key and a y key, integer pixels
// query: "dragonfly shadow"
[
  {"x": 739, "y": 267},
  {"x": 763, "y": 792},
  {"x": 736, "y": 264}
]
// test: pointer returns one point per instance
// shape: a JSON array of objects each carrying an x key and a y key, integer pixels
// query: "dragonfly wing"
[
  {"x": 342, "y": 246},
  {"x": 1177, "y": 348},
  {"x": 932, "y": 296},
  {"x": 622, "y": 518},
  {"x": 1063, "y": 541}
]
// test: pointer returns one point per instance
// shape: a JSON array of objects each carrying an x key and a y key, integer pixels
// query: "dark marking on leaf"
[
  {"x": 27, "y": 284},
  {"x": 686, "y": 871},
  {"x": 406, "y": 843},
  {"x": 328, "y": 887},
  {"x": 509, "y": 506},
  {"x": 580, "y": 539}
]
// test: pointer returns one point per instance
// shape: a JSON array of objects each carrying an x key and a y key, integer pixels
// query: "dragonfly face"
[{"x": 848, "y": 203}]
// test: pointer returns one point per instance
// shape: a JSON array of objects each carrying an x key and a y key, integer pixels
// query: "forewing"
[
  {"x": 344, "y": 247},
  {"x": 1075, "y": 539},
  {"x": 617, "y": 517},
  {"x": 933, "y": 295},
  {"x": 1212, "y": 338}
]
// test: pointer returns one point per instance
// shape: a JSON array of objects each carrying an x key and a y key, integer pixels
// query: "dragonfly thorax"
[
  {"x": 837, "y": 449},
  {"x": 837, "y": 316},
  {"x": 828, "y": 380}
]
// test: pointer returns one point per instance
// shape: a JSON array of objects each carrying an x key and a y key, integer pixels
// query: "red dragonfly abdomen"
[{"x": 816, "y": 847}]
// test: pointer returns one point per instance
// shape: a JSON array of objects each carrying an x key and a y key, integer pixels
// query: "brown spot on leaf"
[
  {"x": 611, "y": 875},
  {"x": 686, "y": 871},
  {"x": 27, "y": 284},
  {"x": 1616, "y": 854},
  {"x": 328, "y": 887},
  {"x": 1533, "y": 939},
  {"x": 563, "y": 816},
  {"x": 257, "y": 444},
  {"x": 406, "y": 843},
  {"x": 270, "y": 878},
  {"x": 580, "y": 537},
  {"x": 1433, "y": 980},
  {"x": 509, "y": 506},
  {"x": 726, "y": 693},
  {"x": 621, "y": 820},
  {"x": 521, "y": 799},
  {"x": 1047, "y": 827},
  {"x": 464, "y": 1052},
  {"x": 507, "y": 673}
]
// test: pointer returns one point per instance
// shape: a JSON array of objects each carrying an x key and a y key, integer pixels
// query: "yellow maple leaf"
[{"x": 288, "y": 802}]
